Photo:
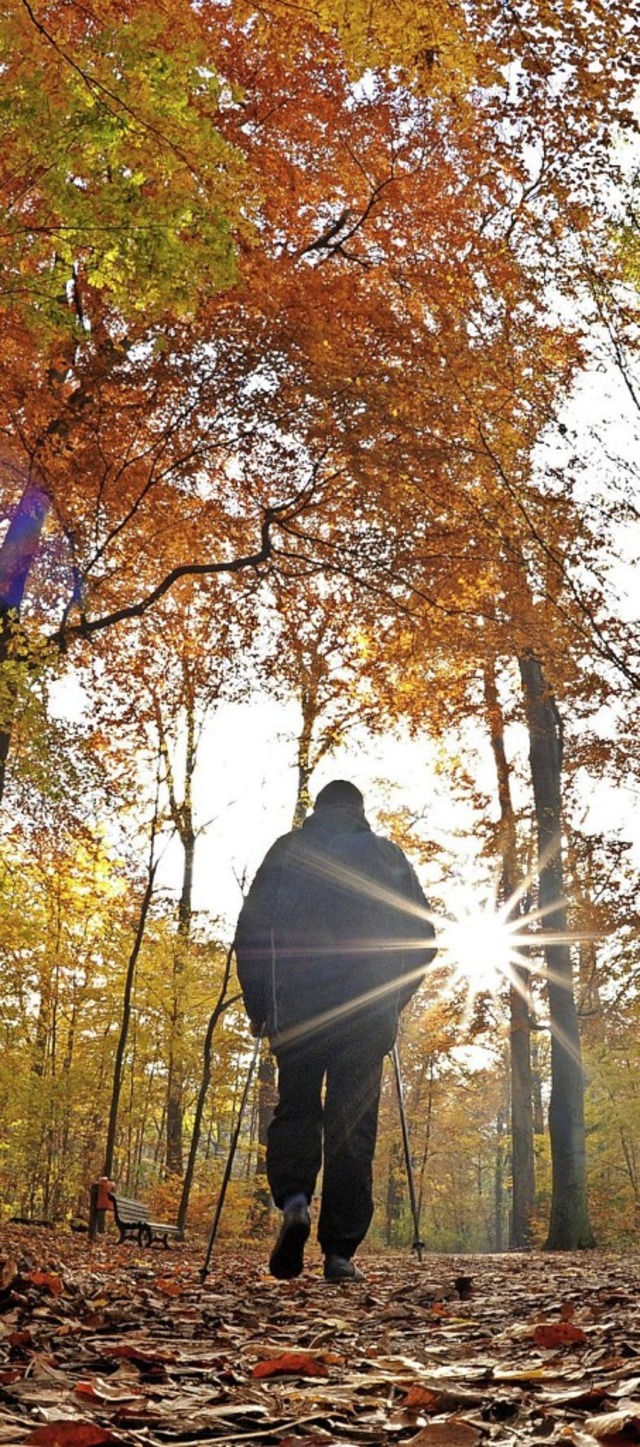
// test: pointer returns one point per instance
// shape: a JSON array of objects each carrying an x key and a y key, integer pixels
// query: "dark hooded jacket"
[{"x": 334, "y": 934}]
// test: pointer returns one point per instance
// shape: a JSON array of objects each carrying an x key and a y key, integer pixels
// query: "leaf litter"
[{"x": 102, "y": 1344}]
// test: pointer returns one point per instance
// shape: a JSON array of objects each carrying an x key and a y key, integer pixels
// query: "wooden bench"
[{"x": 132, "y": 1218}]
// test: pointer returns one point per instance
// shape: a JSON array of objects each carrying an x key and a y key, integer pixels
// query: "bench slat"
[
  {"x": 133, "y": 1217},
  {"x": 131, "y": 1210}
]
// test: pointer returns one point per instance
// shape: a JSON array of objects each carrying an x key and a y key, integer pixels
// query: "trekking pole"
[
  {"x": 232, "y": 1150},
  {"x": 417, "y": 1245}
]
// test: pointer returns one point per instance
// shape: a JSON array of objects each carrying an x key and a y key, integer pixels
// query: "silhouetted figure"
[{"x": 332, "y": 941}]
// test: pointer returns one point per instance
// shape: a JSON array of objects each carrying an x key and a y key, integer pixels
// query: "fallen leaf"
[
  {"x": 578, "y": 1437},
  {"x": 101, "y": 1391},
  {"x": 441, "y": 1399},
  {"x": 606, "y": 1424},
  {"x": 533, "y": 1372},
  {"x": 450, "y": 1433},
  {"x": 145, "y": 1357},
  {"x": 8, "y": 1271},
  {"x": 558, "y": 1333},
  {"x": 72, "y": 1434},
  {"x": 421, "y": 1397},
  {"x": 168, "y": 1287},
  {"x": 297, "y": 1364},
  {"x": 48, "y": 1279},
  {"x": 20, "y": 1338}
]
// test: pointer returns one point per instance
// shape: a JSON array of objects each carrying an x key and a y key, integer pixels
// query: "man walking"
[{"x": 331, "y": 943}]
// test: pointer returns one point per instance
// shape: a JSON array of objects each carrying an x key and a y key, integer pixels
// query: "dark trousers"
[{"x": 345, "y": 1122}]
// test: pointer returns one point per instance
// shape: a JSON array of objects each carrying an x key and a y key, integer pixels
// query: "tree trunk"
[
  {"x": 569, "y": 1226},
  {"x": 498, "y": 1185},
  {"x": 536, "y": 1072},
  {"x": 426, "y": 1144},
  {"x": 261, "y": 1204},
  {"x": 182, "y": 817},
  {"x": 305, "y": 762},
  {"x": 394, "y": 1203},
  {"x": 221, "y": 1004},
  {"x": 176, "y": 1064},
  {"x": 522, "y": 1153},
  {"x": 124, "y": 1025}
]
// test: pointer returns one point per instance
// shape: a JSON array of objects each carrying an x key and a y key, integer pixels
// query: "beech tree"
[
  {"x": 521, "y": 1081},
  {"x": 569, "y": 1226}
]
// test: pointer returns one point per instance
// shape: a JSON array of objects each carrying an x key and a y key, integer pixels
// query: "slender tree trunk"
[
  {"x": 266, "y": 1098},
  {"x": 176, "y": 1062},
  {"x": 589, "y": 1000},
  {"x": 182, "y": 817},
  {"x": 394, "y": 1202},
  {"x": 305, "y": 763},
  {"x": 222, "y": 1004},
  {"x": 142, "y": 1125},
  {"x": 569, "y": 1226},
  {"x": 124, "y": 1025},
  {"x": 536, "y": 1071},
  {"x": 498, "y": 1232},
  {"x": 160, "y": 1145},
  {"x": 426, "y": 1145},
  {"x": 522, "y": 1154}
]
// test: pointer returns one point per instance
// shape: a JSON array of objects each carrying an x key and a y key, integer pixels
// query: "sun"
[{"x": 481, "y": 944}]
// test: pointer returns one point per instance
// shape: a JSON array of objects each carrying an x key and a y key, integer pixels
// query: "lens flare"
[{"x": 480, "y": 942}]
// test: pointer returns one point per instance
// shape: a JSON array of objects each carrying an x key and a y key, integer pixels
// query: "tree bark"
[
  {"x": 523, "y": 1161},
  {"x": 569, "y": 1226},
  {"x": 124, "y": 1025},
  {"x": 266, "y": 1098},
  {"x": 305, "y": 761},
  {"x": 182, "y": 818},
  {"x": 394, "y": 1201},
  {"x": 523, "y": 1189},
  {"x": 222, "y": 1003},
  {"x": 498, "y": 1185}
]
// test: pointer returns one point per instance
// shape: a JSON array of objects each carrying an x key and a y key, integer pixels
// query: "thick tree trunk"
[
  {"x": 522, "y": 1153},
  {"x": 569, "y": 1227}
]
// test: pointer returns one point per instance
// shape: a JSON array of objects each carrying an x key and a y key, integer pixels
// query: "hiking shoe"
[
  {"x": 287, "y": 1257},
  {"x": 339, "y": 1268}
]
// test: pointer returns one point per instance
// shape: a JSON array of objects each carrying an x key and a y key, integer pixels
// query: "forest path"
[{"x": 101, "y": 1344}]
